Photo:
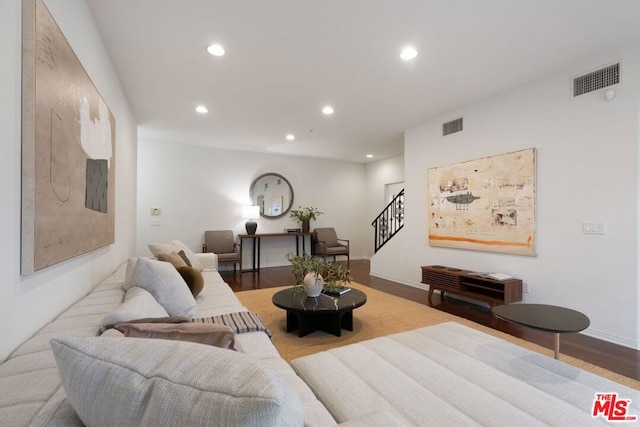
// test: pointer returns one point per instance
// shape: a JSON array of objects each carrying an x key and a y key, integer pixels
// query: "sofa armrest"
[{"x": 208, "y": 260}]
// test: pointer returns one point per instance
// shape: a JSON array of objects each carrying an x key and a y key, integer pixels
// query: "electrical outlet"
[
  {"x": 155, "y": 211},
  {"x": 525, "y": 287}
]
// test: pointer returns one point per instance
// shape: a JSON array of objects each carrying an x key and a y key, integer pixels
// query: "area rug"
[{"x": 383, "y": 314}]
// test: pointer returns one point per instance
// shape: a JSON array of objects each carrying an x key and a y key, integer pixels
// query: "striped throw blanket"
[{"x": 242, "y": 321}]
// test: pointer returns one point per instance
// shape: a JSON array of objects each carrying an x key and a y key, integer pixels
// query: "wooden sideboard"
[{"x": 472, "y": 285}]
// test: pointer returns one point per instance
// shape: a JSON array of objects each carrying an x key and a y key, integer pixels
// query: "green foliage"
[
  {"x": 303, "y": 214},
  {"x": 335, "y": 275}
]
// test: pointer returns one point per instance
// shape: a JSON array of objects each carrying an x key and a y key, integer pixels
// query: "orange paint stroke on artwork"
[{"x": 482, "y": 242}]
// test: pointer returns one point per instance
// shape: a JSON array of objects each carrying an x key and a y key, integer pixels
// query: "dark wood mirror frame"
[{"x": 273, "y": 193}]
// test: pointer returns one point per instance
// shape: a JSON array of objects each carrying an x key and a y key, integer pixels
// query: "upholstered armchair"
[
  {"x": 222, "y": 243},
  {"x": 328, "y": 244}
]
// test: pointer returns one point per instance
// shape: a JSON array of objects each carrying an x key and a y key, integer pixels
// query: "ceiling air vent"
[
  {"x": 598, "y": 79},
  {"x": 452, "y": 127}
]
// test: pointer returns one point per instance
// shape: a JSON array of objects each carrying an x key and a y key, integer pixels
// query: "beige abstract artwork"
[
  {"x": 68, "y": 143},
  {"x": 485, "y": 204}
]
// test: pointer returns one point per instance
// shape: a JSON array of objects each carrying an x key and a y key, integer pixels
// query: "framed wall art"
[
  {"x": 486, "y": 204},
  {"x": 68, "y": 150}
]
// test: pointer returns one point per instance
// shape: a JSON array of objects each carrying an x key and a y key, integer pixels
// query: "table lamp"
[{"x": 250, "y": 213}]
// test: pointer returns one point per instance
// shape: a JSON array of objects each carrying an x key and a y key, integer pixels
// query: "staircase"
[{"x": 389, "y": 222}]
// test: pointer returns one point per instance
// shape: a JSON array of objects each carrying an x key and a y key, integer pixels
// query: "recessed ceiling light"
[
  {"x": 202, "y": 109},
  {"x": 290, "y": 137},
  {"x": 369, "y": 156},
  {"x": 408, "y": 53},
  {"x": 216, "y": 50},
  {"x": 328, "y": 110}
]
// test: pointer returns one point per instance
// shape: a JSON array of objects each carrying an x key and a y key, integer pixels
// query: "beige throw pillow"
[
  {"x": 133, "y": 381},
  {"x": 166, "y": 285},
  {"x": 193, "y": 259},
  {"x": 162, "y": 248},
  {"x": 201, "y": 333},
  {"x": 173, "y": 258},
  {"x": 176, "y": 246}
]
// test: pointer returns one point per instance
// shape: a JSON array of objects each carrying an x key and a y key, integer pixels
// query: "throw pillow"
[
  {"x": 184, "y": 258},
  {"x": 173, "y": 258},
  {"x": 138, "y": 303},
  {"x": 131, "y": 263},
  {"x": 164, "y": 282},
  {"x": 193, "y": 278},
  {"x": 201, "y": 333},
  {"x": 168, "y": 319},
  {"x": 132, "y": 381},
  {"x": 180, "y": 248},
  {"x": 193, "y": 259},
  {"x": 162, "y": 248}
]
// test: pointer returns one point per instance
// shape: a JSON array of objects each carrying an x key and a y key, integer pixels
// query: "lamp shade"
[{"x": 250, "y": 212}]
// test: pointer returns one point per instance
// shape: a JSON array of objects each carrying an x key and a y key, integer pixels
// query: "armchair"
[
  {"x": 222, "y": 243},
  {"x": 328, "y": 244}
]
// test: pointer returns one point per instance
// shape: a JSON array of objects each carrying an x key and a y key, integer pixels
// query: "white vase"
[{"x": 313, "y": 284}]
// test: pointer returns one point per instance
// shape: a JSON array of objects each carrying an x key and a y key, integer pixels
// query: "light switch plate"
[{"x": 594, "y": 228}]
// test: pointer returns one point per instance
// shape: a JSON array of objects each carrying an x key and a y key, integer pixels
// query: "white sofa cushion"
[
  {"x": 166, "y": 285},
  {"x": 138, "y": 304},
  {"x": 132, "y": 381}
]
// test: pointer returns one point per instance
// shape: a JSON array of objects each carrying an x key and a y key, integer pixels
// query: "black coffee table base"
[
  {"x": 307, "y": 322},
  {"x": 325, "y": 313}
]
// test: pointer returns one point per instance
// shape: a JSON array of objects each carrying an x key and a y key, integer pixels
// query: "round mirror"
[{"x": 273, "y": 194}]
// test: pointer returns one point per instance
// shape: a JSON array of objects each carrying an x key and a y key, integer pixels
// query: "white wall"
[
  {"x": 587, "y": 170},
  {"x": 379, "y": 174},
  {"x": 200, "y": 188},
  {"x": 27, "y": 303}
]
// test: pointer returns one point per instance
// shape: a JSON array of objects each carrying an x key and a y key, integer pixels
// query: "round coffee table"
[
  {"x": 544, "y": 317},
  {"x": 325, "y": 313}
]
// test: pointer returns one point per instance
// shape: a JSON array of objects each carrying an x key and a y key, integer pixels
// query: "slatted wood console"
[{"x": 471, "y": 285}]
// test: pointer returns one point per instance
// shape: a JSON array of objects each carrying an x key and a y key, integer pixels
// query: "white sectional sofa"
[
  {"x": 31, "y": 393},
  {"x": 441, "y": 375}
]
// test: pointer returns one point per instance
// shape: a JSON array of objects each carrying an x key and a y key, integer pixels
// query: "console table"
[
  {"x": 257, "y": 239},
  {"x": 471, "y": 285}
]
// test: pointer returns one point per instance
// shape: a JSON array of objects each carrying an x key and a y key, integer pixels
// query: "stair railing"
[{"x": 389, "y": 222}]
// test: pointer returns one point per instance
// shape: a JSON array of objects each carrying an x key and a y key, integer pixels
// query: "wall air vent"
[
  {"x": 596, "y": 80},
  {"x": 452, "y": 127}
]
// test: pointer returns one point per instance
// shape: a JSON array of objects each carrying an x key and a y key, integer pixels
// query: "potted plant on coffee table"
[
  {"x": 313, "y": 274},
  {"x": 304, "y": 215},
  {"x": 336, "y": 277}
]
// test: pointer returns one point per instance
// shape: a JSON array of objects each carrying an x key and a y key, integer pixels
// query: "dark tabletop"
[
  {"x": 544, "y": 317},
  {"x": 291, "y": 300}
]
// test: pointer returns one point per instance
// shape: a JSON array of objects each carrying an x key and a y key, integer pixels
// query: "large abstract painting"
[
  {"x": 68, "y": 150},
  {"x": 485, "y": 204}
]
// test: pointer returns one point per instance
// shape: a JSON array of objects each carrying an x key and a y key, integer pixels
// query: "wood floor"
[{"x": 616, "y": 358}]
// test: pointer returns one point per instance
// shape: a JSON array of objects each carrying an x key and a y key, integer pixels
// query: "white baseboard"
[
  {"x": 604, "y": 336},
  {"x": 399, "y": 280},
  {"x": 594, "y": 333}
]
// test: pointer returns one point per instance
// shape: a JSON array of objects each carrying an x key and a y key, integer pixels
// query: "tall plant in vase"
[
  {"x": 304, "y": 215},
  {"x": 307, "y": 273},
  {"x": 312, "y": 274}
]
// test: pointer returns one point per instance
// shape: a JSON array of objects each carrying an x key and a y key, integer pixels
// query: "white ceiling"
[{"x": 286, "y": 59}]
